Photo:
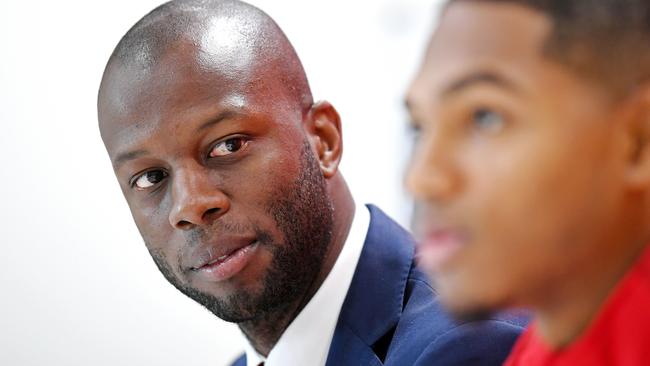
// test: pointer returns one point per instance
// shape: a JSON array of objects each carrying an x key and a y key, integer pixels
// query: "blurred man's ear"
[
  {"x": 323, "y": 126},
  {"x": 638, "y": 134}
]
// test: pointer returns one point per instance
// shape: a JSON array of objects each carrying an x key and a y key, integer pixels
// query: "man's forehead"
[
  {"x": 220, "y": 44},
  {"x": 180, "y": 80},
  {"x": 470, "y": 29},
  {"x": 184, "y": 59},
  {"x": 163, "y": 113},
  {"x": 487, "y": 41}
]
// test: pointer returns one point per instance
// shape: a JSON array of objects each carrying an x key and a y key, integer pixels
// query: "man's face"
[
  {"x": 517, "y": 169},
  {"x": 220, "y": 179}
]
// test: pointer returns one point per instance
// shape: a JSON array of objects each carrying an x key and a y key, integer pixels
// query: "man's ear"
[
  {"x": 638, "y": 171},
  {"x": 323, "y": 127}
]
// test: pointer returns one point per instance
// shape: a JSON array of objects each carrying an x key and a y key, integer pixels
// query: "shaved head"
[{"x": 225, "y": 36}]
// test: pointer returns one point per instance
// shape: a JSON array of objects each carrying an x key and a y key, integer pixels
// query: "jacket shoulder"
[
  {"x": 393, "y": 316},
  {"x": 485, "y": 343},
  {"x": 427, "y": 335}
]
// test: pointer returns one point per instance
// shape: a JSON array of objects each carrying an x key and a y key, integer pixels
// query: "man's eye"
[
  {"x": 488, "y": 120},
  {"x": 227, "y": 147},
  {"x": 149, "y": 179}
]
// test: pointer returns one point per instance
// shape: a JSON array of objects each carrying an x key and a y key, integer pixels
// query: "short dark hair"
[{"x": 608, "y": 40}]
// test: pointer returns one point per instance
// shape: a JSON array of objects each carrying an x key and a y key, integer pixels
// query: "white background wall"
[{"x": 77, "y": 286}]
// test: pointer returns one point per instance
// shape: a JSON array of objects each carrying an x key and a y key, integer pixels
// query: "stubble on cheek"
[{"x": 302, "y": 213}]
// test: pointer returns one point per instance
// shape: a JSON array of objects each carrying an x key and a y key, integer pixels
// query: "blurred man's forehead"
[
  {"x": 476, "y": 29},
  {"x": 485, "y": 42}
]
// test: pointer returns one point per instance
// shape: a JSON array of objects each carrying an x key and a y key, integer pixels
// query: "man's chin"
[
  {"x": 235, "y": 308},
  {"x": 464, "y": 309},
  {"x": 461, "y": 305}
]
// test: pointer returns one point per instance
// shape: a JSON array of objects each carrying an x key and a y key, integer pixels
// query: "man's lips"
[
  {"x": 439, "y": 247},
  {"x": 227, "y": 266},
  {"x": 221, "y": 260},
  {"x": 218, "y": 260}
]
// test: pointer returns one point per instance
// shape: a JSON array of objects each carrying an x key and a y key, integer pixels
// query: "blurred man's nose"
[
  {"x": 197, "y": 200},
  {"x": 431, "y": 176}
]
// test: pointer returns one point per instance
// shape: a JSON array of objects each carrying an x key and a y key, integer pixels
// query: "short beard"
[{"x": 303, "y": 213}]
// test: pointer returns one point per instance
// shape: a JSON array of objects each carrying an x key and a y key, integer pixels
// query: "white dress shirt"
[{"x": 307, "y": 339}]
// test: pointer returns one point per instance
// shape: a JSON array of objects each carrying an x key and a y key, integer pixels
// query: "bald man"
[{"x": 231, "y": 173}]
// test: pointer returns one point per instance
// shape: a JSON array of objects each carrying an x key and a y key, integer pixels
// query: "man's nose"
[
  {"x": 432, "y": 176},
  {"x": 196, "y": 200}
]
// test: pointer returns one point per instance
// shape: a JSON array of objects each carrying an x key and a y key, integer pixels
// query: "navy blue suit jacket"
[{"x": 391, "y": 314}]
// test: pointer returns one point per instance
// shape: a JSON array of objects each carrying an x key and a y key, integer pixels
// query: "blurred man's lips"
[
  {"x": 438, "y": 248},
  {"x": 226, "y": 266}
]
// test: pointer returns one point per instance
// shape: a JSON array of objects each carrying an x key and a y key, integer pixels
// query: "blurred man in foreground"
[
  {"x": 532, "y": 172},
  {"x": 231, "y": 173}
]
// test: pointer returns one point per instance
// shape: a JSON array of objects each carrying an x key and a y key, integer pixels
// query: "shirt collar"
[{"x": 307, "y": 339}]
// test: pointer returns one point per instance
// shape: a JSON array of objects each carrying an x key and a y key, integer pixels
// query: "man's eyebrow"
[
  {"x": 483, "y": 77},
  {"x": 130, "y": 155},
  {"x": 224, "y": 115}
]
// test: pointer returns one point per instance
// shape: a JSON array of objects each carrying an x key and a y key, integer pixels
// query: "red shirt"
[{"x": 618, "y": 336}]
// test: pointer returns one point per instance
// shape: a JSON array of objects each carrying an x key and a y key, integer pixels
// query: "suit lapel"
[{"x": 375, "y": 299}]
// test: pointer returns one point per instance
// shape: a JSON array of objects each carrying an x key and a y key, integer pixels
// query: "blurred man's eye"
[
  {"x": 487, "y": 120},
  {"x": 149, "y": 179},
  {"x": 227, "y": 147}
]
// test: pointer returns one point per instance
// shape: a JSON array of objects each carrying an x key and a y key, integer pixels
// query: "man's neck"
[
  {"x": 265, "y": 331},
  {"x": 576, "y": 303}
]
